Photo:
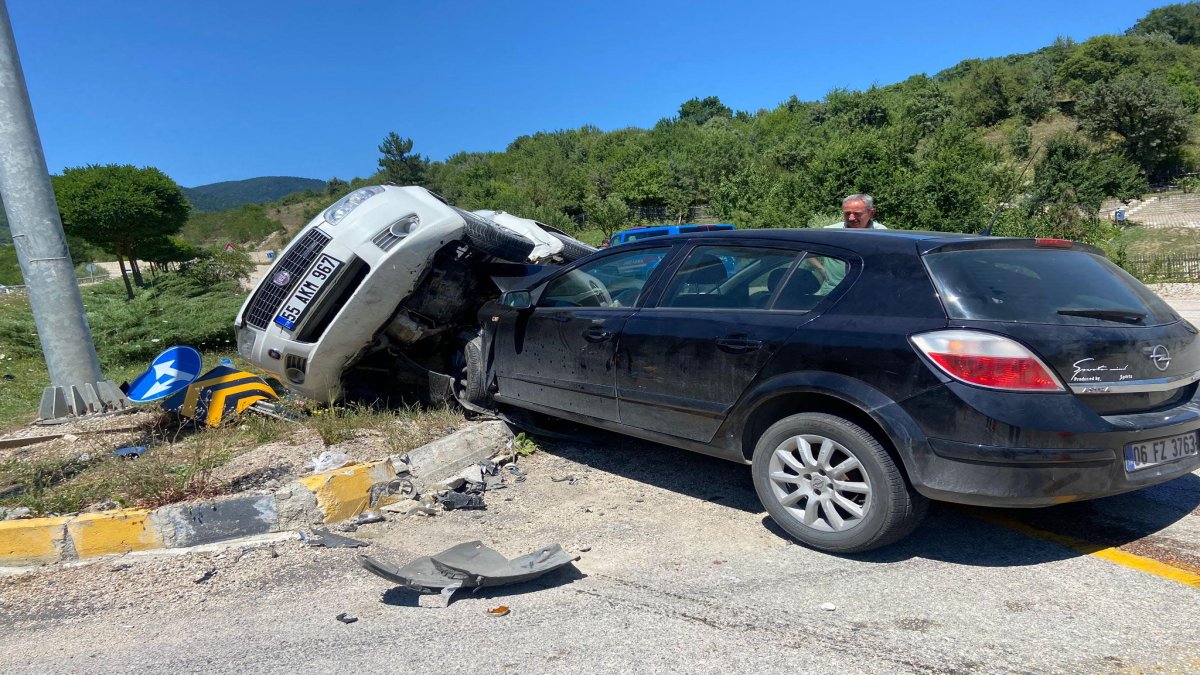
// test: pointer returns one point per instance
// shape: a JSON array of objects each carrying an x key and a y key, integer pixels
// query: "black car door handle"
[
  {"x": 738, "y": 345},
  {"x": 596, "y": 334}
]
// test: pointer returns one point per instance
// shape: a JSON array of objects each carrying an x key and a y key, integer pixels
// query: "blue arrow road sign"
[{"x": 170, "y": 371}]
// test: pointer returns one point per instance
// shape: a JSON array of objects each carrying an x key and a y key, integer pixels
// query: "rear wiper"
[{"x": 1121, "y": 315}]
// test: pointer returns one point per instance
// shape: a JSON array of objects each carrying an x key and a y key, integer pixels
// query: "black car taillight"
[{"x": 986, "y": 360}]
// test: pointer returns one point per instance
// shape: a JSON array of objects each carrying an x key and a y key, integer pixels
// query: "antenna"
[{"x": 987, "y": 231}]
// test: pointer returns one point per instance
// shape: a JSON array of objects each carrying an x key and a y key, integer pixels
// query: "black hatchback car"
[{"x": 861, "y": 373}]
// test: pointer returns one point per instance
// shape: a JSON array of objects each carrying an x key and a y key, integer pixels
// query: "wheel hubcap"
[{"x": 821, "y": 482}]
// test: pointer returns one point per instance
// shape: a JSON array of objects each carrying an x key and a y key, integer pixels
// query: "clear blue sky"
[{"x": 213, "y": 90}]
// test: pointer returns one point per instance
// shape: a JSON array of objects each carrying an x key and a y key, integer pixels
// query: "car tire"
[
  {"x": 475, "y": 386},
  {"x": 832, "y": 486},
  {"x": 495, "y": 240},
  {"x": 572, "y": 249}
]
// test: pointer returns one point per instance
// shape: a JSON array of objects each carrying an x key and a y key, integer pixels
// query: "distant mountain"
[{"x": 234, "y": 193}]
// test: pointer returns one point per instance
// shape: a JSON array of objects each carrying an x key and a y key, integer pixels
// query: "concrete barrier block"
[
  {"x": 108, "y": 532},
  {"x": 34, "y": 540},
  {"x": 205, "y": 522},
  {"x": 434, "y": 462}
]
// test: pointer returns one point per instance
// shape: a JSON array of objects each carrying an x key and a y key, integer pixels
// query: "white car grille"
[{"x": 274, "y": 289}]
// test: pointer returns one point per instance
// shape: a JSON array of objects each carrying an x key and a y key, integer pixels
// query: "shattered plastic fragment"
[
  {"x": 502, "y": 610},
  {"x": 346, "y": 618},
  {"x": 368, "y": 517},
  {"x": 395, "y": 486},
  {"x": 323, "y": 537},
  {"x": 328, "y": 461},
  {"x": 468, "y": 565}
]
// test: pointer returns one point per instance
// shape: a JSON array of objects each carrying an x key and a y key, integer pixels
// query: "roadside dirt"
[{"x": 602, "y": 501}]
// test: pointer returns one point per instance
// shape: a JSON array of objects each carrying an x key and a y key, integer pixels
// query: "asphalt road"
[{"x": 682, "y": 572}]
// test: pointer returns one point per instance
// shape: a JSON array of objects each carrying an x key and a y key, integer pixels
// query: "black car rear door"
[{"x": 684, "y": 362}]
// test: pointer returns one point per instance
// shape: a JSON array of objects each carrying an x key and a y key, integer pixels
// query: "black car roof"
[{"x": 863, "y": 241}]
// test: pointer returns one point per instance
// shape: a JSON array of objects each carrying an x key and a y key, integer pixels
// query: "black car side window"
[
  {"x": 814, "y": 278},
  {"x": 612, "y": 281},
  {"x": 728, "y": 277}
]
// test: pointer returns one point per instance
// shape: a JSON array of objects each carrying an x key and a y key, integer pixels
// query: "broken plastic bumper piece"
[{"x": 469, "y": 565}]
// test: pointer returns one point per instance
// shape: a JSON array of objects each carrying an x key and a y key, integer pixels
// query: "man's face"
[{"x": 856, "y": 214}]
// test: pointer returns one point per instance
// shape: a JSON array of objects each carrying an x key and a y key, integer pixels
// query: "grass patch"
[
  {"x": 524, "y": 446},
  {"x": 398, "y": 430},
  {"x": 1149, "y": 242},
  {"x": 175, "y": 309}
]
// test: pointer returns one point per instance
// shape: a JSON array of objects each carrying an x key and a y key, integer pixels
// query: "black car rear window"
[{"x": 1042, "y": 286}]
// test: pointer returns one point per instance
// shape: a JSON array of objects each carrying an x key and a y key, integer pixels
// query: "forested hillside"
[
  {"x": 232, "y": 194},
  {"x": 1050, "y": 134}
]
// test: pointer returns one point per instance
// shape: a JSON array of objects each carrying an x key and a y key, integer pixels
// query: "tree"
[
  {"x": 699, "y": 111},
  {"x": 335, "y": 186},
  {"x": 397, "y": 165},
  {"x": 1180, "y": 21},
  {"x": 120, "y": 208},
  {"x": 608, "y": 214},
  {"x": 1147, "y": 115},
  {"x": 1071, "y": 180}
]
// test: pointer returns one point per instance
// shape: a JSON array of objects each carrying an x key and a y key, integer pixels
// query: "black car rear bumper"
[{"x": 1030, "y": 477}]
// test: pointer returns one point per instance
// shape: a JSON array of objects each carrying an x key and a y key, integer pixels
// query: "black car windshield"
[{"x": 1043, "y": 286}]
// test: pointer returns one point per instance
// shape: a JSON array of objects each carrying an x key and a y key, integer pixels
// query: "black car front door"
[{"x": 560, "y": 354}]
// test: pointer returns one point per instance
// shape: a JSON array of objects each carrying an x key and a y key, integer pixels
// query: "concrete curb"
[{"x": 328, "y": 497}]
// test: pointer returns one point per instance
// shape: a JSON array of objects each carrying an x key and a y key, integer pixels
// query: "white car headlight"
[
  {"x": 245, "y": 342},
  {"x": 342, "y": 207}
]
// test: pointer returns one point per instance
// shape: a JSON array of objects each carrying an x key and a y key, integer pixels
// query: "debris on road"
[
  {"x": 502, "y": 610},
  {"x": 468, "y": 495},
  {"x": 327, "y": 461},
  {"x": 367, "y": 517},
  {"x": 208, "y": 574},
  {"x": 828, "y": 606},
  {"x": 468, "y": 565},
  {"x": 395, "y": 486},
  {"x": 570, "y": 479},
  {"x": 323, "y": 537},
  {"x": 130, "y": 452},
  {"x": 346, "y": 618}
]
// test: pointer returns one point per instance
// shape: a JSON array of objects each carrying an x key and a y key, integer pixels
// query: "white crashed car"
[{"x": 376, "y": 298}]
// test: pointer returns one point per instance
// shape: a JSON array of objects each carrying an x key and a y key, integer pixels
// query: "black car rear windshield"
[{"x": 1042, "y": 286}]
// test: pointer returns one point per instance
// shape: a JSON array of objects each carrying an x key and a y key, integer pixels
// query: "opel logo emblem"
[
  {"x": 1160, "y": 357},
  {"x": 281, "y": 279}
]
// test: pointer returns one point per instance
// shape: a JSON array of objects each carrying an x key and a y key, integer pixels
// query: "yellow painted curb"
[
  {"x": 32, "y": 541},
  {"x": 343, "y": 493},
  {"x": 113, "y": 532}
]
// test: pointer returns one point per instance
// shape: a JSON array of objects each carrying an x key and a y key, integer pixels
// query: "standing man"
[{"x": 858, "y": 213}]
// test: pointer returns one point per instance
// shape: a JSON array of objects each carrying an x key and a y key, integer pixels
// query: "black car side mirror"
[{"x": 516, "y": 300}]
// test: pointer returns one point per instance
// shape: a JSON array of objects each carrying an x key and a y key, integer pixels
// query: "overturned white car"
[{"x": 375, "y": 299}]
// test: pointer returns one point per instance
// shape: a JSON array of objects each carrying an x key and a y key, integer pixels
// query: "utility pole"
[{"x": 77, "y": 388}]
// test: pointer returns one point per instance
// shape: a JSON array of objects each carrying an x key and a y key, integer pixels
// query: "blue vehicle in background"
[{"x": 640, "y": 233}]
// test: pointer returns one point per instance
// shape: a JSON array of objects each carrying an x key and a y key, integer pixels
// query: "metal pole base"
[{"x": 60, "y": 404}]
